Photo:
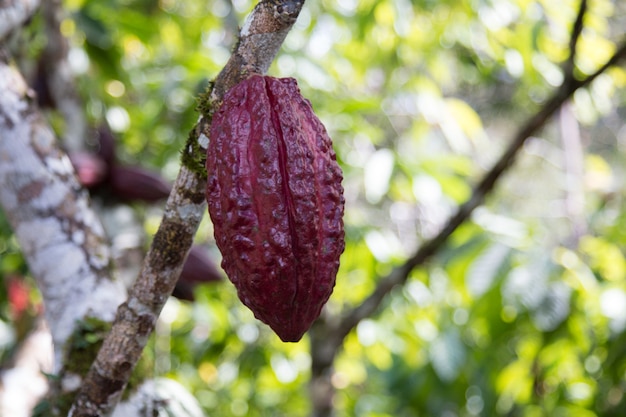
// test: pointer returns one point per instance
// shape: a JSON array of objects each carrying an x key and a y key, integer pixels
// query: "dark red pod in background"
[
  {"x": 276, "y": 201},
  {"x": 197, "y": 269},
  {"x": 137, "y": 183}
]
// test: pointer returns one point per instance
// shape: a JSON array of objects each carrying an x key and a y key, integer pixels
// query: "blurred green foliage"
[{"x": 523, "y": 313}]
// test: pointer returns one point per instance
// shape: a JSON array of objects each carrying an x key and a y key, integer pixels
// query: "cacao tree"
[{"x": 461, "y": 291}]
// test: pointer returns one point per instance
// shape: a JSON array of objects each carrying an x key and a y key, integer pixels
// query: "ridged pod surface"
[{"x": 276, "y": 201}]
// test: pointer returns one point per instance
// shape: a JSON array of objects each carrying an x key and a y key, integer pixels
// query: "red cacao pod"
[{"x": 276, "y": 201}]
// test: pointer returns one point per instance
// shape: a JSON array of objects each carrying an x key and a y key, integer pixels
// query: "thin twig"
[
  {"x": 575, "y": 36},
  {"x": 260, "y": 39}
]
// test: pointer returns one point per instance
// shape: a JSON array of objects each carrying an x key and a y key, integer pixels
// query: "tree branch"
[
  {"x": 13, "y": 13},
  {"x": 59, "y": 234},
  {"x": 260, "y": 39}
]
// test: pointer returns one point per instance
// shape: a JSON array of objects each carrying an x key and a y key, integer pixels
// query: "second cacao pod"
[{"x": 276, "y": 201}]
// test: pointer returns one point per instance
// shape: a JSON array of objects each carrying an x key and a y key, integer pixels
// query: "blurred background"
[{"x": 522, "y": 313}]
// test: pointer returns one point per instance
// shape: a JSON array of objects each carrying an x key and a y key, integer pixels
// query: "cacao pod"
[
  {"x": 137, "y": 184},
  {"x": 276, "y": 201},
  {"x": 199, "y": 268}
]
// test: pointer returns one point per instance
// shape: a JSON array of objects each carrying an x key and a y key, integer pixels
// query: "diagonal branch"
[
  {"x": 260, "y": 39},
  {"x": 400, "y": 274}
]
